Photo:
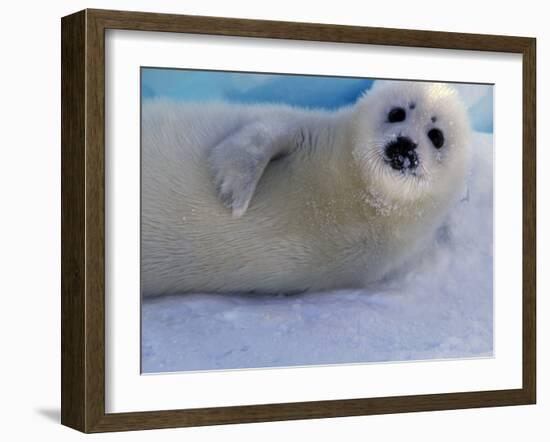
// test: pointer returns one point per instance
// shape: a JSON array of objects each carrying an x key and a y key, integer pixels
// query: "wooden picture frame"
[{"x": 83, "y": 220}]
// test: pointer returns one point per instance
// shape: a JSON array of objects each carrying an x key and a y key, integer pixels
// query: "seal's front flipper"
[{"x": 238, "y": 162}]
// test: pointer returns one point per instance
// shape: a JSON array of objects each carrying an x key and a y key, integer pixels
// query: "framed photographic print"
[{"x": 269, "y": 220}]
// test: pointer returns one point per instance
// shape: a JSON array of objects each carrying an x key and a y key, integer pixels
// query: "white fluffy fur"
[{"x": 218, "y": 216}]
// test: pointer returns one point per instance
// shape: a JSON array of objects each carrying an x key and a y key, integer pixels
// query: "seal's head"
[{"x": 411, "y": 140}]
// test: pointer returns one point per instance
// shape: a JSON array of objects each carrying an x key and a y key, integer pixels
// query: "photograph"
[
  {"x": 293, "y": 220},
  {"x": 272, "y": 220}
]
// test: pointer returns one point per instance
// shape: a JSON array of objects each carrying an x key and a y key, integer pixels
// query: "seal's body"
[{"x": 275, "y": 199}]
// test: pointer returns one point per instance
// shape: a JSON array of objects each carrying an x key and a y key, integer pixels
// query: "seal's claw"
[{"x": 237, "y": 164}]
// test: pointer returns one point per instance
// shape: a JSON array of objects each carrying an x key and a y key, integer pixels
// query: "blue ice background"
[
  {"x": 438, "y": 307},
  {"x": 299, "y": 90}
]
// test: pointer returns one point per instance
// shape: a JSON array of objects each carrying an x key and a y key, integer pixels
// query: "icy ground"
[{"x": 441, "y": 306}]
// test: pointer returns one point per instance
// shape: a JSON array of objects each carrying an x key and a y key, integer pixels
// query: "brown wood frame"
[{"x": 83, "y": 216}]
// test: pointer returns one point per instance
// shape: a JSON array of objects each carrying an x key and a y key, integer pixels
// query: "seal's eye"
[
  {"x": 437, "y": 138},
  {"x": 396, "y": 115}
]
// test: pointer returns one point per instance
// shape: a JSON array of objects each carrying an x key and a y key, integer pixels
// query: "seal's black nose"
[{"x": 401, "y": 154}]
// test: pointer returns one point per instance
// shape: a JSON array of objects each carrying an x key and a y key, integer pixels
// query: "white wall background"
[{"x": 30, "y": 217}]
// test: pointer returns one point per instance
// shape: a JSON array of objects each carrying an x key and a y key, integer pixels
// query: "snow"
[{"x": 440, "y": 306}]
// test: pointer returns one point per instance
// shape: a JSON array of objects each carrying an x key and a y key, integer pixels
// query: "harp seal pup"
[{"x": 279, "y": 199}]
